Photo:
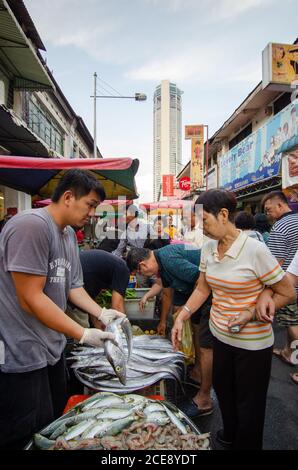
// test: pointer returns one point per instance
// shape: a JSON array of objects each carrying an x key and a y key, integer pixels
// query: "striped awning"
[{"x": 39, "y": 176}]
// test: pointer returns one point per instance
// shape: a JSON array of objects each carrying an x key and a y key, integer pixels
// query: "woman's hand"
[
  {"x": 241, "y": 319},
  {"x": 142, "y": 302},
  {"x": 178, "y": 327},
  {"x": 265, "y": 308}
]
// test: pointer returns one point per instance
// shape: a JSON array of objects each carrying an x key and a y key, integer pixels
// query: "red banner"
[{"x": 167, "y": 185}]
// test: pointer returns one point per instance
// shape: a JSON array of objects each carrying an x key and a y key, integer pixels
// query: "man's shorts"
[
  {"x": 201, "y": 318},
  {"x": 288, "y": 315}
]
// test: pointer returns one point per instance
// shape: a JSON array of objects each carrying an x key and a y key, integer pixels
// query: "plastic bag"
[{"x": 187, "y": 344}]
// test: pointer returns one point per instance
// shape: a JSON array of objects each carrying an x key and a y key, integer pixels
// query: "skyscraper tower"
[{"x": 167, "y": 133}]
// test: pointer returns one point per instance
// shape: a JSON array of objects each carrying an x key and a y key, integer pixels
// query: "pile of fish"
[
  {"x": 110, "y": 421},
  {"x": 128, "y": 364}
]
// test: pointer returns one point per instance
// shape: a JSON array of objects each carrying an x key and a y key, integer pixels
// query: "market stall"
[{"x": 39, "y": 176}]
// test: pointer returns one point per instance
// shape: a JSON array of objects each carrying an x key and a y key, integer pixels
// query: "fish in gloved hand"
[
  {"x": 114, "y": 350},
  {"x": 95, "y": 337}
]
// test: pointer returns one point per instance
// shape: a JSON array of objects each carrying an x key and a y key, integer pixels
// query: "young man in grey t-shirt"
[{"x": 39, "y": 270}]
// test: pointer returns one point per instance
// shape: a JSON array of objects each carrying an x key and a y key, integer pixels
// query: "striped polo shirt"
[
  {"x": 236, "y": 282},
  {"x": 283, "y": 238}
]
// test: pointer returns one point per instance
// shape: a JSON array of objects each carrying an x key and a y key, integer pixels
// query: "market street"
[{"x": 148, "y": 227}]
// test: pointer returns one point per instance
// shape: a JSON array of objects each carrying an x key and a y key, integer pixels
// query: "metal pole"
[
  {"x": 94, "y": 117},
  {"x": 207, "y": 159}
]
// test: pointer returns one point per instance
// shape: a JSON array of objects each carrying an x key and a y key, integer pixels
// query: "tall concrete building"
[{"x": 167, "y": 133}]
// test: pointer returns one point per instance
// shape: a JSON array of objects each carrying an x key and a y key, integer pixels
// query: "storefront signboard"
[{"x": 257, "y": 157}]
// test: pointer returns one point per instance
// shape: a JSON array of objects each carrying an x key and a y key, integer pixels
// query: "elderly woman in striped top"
[{"x": 236, "y": 268}]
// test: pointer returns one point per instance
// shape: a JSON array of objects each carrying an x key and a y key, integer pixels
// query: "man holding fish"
[{"x": 39, "y": 271}]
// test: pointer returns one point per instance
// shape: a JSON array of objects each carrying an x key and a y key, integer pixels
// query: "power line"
[
  {"x": 110, "y": 86},
  {"x": 98, "y": 90}
]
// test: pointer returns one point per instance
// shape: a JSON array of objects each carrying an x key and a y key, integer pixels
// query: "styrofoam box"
[
  {"x": 140, "y": 291},
  {"x": 132, "y": 308}
]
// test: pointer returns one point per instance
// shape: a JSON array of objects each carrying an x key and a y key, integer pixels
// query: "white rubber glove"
[
  {"x": 109, "y": 315},
  {"x": 95, "y": 337}
]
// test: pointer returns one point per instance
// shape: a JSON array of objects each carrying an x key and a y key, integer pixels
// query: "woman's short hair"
[
  {"x": 214, "y": 200},
  {"x": 245, "y": 221}
]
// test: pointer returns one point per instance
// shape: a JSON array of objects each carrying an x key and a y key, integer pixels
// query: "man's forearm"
[
  {"x": 118, "y": 302},
  {"x": 280, "y": 301},
  {"x": 155, "y": 290},
  {"x": 48, "y": 313},
  {"x": 166, "y": 303},
  {"x": 81, "y": 299}
]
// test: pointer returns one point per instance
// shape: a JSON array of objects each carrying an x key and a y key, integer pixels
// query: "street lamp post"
[
  {"x": 136, "y": 97},
  {"x": 94, "y": 118}
]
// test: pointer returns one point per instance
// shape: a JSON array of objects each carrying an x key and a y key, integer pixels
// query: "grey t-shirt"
[{"x": 31, "y": 242}]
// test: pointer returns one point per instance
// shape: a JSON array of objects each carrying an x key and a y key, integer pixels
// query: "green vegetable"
[
  {"x": 104, "y": 299},
  {"x": 130, "y": 294}
]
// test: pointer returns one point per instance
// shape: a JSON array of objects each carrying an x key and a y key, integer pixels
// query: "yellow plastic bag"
[{"x": 187, "y": 345}]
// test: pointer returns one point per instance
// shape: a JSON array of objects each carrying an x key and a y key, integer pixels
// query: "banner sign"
[
  {"x": 196, "y": 134},
  {"x": 290, "y": 169},
  {"x": 167, "y": 185},
  {"x": 257, "y": 157},
  {"x": 197, "y": 163},
  {"x": 280, "y": 64},
  {"x": 196, "y": 131}
]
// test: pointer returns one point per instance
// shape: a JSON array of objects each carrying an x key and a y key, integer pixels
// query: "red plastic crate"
[{"x": 73, "y": 401}]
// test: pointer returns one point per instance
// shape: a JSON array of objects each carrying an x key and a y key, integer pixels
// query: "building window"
[
  {"x": 281, "y": 102},
  {"x": 81, "y": 154},
  {"x": 241, "y": 136},
  {"x": 43, "y": 125}
]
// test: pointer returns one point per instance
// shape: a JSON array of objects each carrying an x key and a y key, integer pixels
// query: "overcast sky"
[{"x": 212, "y": 49}]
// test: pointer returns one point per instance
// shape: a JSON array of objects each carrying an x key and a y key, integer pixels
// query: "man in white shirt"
[{"x": 135, "y": 234}]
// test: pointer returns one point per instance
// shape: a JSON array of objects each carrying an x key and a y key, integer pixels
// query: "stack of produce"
[
  {"x": 109, "y": 421},
  {"x": 104, "y": 299}
]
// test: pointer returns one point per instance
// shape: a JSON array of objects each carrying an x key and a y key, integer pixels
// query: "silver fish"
[
  {"x": 152, "y": 407},
  {"x": 158, "y": 417},
  {"x": 115, "y": 413},
  {"x": 115, "y": 352},
  {"x": 97, "y": 429},
  {"x": 126, "y": 328},
  {"x": 170, "y": 369},
  {"x": 42, "y": 442},
  {"x": 175, "y": 420},
  {"x": 134, "y": 384},
  {"x": 104, "y": 401},
  {"x": 135, "y": 399},
  {"x": 77, "y": 430},
  {"x": 116, "y": 426}
]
